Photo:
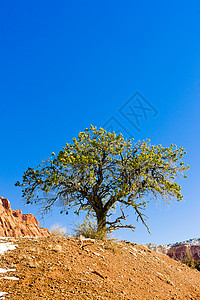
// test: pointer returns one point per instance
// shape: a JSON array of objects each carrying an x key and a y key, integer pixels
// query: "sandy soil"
[{"x": 72, "y": 268}]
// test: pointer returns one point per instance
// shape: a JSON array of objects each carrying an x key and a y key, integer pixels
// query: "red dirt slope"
[{"x": 70, "y": 268}]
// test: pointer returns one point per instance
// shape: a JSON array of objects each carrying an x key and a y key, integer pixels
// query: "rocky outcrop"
[
  {"x": 184, "y": 252},
  {"x": 180, "y": 251},
  {"x": 14, "y": 224}
]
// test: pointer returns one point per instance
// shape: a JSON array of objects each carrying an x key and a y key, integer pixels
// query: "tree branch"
[
  {"x": 140, "y": 215},
  {"x": 117, "y": 223}
]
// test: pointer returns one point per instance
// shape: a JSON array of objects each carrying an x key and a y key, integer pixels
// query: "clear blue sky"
[{"x": 67, "y": 64}]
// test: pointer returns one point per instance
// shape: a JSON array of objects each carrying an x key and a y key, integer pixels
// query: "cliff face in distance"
[
  {"x": 14, "y": 224},
  {"x": 183, "y": 252},
  {"x": 179, "y": 251}
]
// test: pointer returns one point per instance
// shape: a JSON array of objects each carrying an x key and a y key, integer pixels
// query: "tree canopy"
[{"x": 101, "y": 170}]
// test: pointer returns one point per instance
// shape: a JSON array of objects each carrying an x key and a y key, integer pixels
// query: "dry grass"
[
  {"x": 88, "y": 229},
  {"x": 58, "y": 230}
]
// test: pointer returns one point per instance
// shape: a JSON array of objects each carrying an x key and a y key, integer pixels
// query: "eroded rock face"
[
  {"x": 180, "y": 251},
  {"x": 183, "y": 252},
  {"x": 14, "y": 224}
]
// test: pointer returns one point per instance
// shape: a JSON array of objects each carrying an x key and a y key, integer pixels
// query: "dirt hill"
[{"x": 72, "y": 268}]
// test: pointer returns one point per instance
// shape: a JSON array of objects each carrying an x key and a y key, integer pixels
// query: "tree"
[{"x": 101, "y": 170}]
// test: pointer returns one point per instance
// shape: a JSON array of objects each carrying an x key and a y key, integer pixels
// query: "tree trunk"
[{"x": 101, "y": 225}]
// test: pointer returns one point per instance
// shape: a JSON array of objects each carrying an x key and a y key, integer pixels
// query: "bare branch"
[
  {"x": 117, "y": 223},
  {"x": 118, "y": 226},
  {"x": 140, "y": 216}
]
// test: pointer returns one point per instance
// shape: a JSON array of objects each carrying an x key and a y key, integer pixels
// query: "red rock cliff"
[
  {"x": 14, "y": 224},
  {"x": 183, "y": 252}
]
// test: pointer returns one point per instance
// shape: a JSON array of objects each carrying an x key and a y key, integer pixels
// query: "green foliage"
[
  {"x": 194, "y": 264},
  {"x": 100, "y": 170},
  {"x": 197, "y": 265},
  {"x": 190, "y": 262}
]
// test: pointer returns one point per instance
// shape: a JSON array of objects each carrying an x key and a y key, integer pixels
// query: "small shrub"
[
  {"x": 194, "y": 264},
  {"x": 190, "y": 262},
  {"x": 58, "y": 230},
  {"x": 88, "y": 229}
]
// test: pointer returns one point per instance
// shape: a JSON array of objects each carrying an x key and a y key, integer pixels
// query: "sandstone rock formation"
[
  {"x": 14, "y": 224},
  {"x": 183, "y": 252},
  {"x": 179, "y": 251}
]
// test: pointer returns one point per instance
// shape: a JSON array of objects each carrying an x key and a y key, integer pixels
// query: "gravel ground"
[{"x": 77, "y": 268}]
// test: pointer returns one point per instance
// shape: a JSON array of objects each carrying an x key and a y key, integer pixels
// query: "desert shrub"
[
  {"x": 88, "y": 229},
  {"x": 190, "y": 262},
  {"x": 194, "y": 264},
  {"x": 197, "y": 265},
  {"x": 58, "y": 230}
]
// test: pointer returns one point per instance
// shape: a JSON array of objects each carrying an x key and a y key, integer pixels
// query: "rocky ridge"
[
  {"x": 15, "y": 224},
  {"x": 179, "y": 251}
]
